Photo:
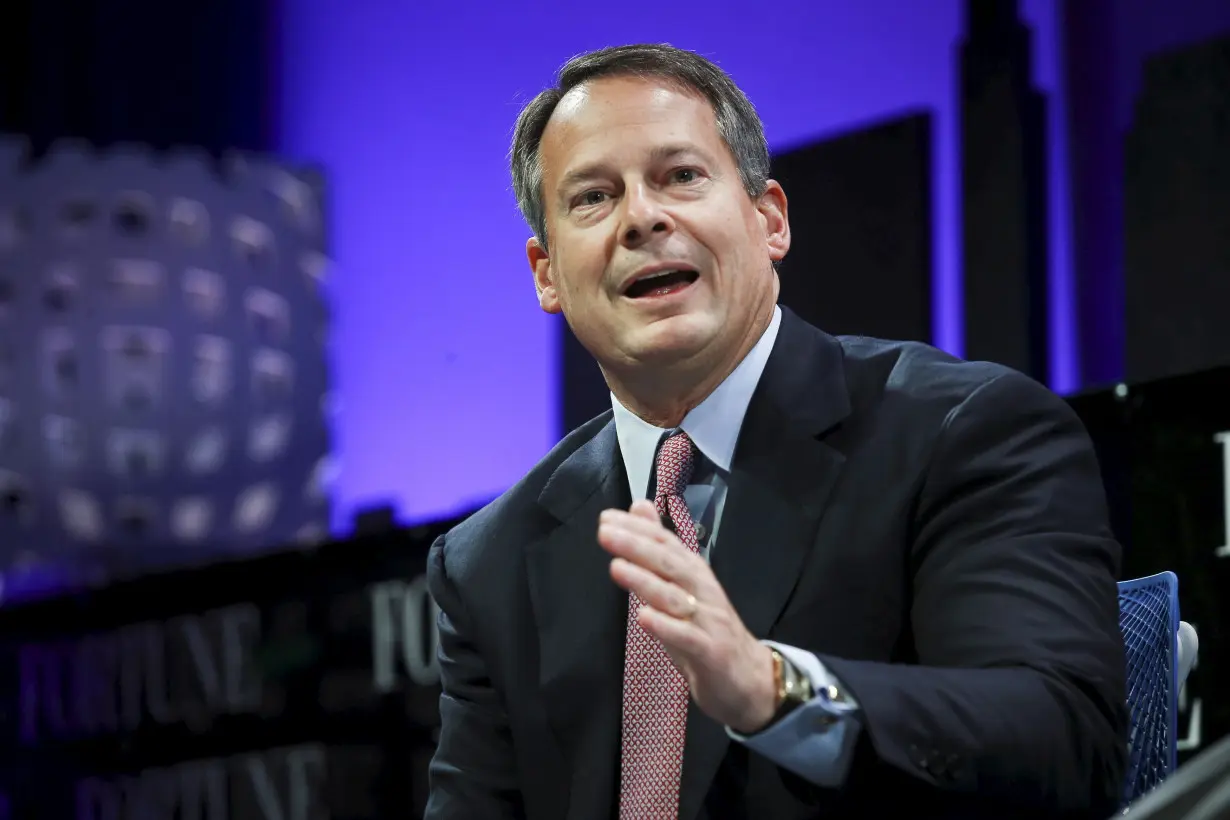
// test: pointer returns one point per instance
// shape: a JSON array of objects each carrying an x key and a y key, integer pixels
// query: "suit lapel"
[
  {"x": 580, "y": 614},
  {"x": 781, "y": 477}
]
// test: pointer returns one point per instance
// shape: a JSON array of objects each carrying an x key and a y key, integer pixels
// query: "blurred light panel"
[
  {"x": 1044, "y": 17},
  {"x": 445, "y": 368}
]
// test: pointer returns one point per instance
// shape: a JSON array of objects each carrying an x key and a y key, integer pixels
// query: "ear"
[
  {"x": 773, "y": 212},
  {"x": 540, "y": 264}
]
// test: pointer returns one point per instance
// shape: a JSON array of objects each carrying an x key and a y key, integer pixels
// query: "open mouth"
[{"x": 662, "y": 283}]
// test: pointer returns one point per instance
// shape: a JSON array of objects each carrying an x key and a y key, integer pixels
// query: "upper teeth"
[{"x": 656, "y": 275}]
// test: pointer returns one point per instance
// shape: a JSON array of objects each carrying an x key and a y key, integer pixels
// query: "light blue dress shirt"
[{"x": 808, "y": 741}]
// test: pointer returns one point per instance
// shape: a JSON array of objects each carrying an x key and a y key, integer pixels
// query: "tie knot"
[{"x": 674, "y": 467}]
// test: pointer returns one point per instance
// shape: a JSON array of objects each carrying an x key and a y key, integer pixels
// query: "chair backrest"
[{"x": 1149, "y": 621}]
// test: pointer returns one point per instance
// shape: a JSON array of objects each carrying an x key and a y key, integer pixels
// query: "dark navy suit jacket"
[{"x": 934, "y": 530}]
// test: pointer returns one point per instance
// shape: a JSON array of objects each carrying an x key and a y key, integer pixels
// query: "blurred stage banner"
[{"x": 296, "y": 686}]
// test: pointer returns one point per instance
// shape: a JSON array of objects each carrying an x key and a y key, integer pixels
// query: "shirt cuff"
[{"x": 816, "y": 741}]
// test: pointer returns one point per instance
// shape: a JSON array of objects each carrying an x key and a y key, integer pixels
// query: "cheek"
[
  {"x": 585, "y": 265},
  {"x": 729, "y": 233}
]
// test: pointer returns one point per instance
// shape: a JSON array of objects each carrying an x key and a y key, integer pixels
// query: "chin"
[{"x": 673, "y": 339}]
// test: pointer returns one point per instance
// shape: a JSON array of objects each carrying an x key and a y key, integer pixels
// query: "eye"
[
  {"x": 684, "y": 175},
  {"x": 591, "y": 198}
]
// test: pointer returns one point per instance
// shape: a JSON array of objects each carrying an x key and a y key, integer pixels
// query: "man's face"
[{"x": 638, "y": 182}]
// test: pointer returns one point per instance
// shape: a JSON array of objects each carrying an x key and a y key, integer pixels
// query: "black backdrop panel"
[
  {"x": 1164, "y": 449},
  {"x": 1004, "y": 193},
  {"x": 139, "y": 70},
  {"x": 860, "y": 218},
  {"x": 1177, "y": 215},
  {"x": 584, "y": 393}
]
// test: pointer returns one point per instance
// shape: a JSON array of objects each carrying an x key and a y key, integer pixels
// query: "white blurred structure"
[{"x": 163, "y": 380}]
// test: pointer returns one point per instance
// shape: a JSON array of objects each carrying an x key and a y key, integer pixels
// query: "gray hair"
[{"x": 737, "y": 121}]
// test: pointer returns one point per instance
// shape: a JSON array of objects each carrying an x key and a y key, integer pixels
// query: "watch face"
[{"x": 798, "y": 686}]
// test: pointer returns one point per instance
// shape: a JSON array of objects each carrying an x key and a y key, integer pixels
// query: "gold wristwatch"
[{"x": 793, "y": 686}]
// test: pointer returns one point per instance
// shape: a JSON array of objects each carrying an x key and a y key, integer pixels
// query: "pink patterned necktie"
[{"x": 655, "y": 692}]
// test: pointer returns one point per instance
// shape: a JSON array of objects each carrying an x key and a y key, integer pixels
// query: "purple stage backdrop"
[{"x": 445, "y": 368}]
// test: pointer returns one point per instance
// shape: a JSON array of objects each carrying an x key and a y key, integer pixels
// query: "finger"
[
  {"x": 645, "y": 509},
  {"x": 645, "y": 515},
  {"x": 654, "y": 590},
  {"x": 680, "y": 637},
  {"x": 648, "y": 546},
  {"x": 649, "y": 526},
  {"x": 653, "y": 529}
]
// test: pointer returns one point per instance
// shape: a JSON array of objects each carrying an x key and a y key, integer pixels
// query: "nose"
[{"x": 644, "y": 217}]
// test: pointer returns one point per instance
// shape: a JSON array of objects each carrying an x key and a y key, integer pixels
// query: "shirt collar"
[{"x": 713, "y": 425}]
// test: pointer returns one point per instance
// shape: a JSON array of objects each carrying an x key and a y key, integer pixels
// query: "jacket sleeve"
[
  {"x": 473, "y": 772},
  {"x": 1019, "y": 689}
]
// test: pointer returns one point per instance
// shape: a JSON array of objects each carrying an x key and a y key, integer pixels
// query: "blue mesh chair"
[{"x": 1149, "y": 621}]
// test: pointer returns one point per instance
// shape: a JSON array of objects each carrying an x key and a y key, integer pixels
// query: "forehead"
[{"x": 600, "y": 120}]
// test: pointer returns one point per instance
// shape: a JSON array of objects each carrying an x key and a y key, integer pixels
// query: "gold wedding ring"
[{"x": 692, "y": 607}]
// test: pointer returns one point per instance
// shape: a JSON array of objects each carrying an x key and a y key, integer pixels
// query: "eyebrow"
[{"x": 659, "y": 154}]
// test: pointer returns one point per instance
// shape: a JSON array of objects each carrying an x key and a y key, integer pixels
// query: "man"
[{"x": 789, "y": 575}]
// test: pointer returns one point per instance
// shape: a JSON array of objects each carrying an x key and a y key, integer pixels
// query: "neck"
[{"x": 663, "y": 394}]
